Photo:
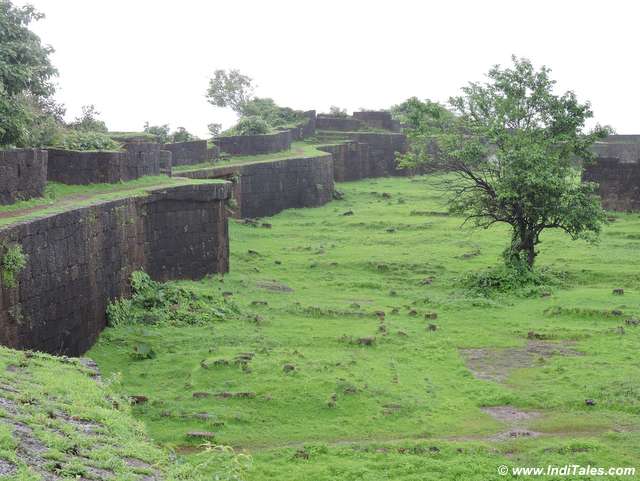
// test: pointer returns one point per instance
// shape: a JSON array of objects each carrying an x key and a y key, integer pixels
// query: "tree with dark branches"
[{"x": 514, "y": 152}]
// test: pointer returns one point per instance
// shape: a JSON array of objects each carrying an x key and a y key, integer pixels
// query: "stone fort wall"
[
  {"x": 188, "y": 153},
  {"x": 616, "y": 169},
  {"x": 88, "y": 167},
  {"x": 80, "y": 259},
  {"x": 255, "y": 144},
  {"x": 23, "y": 174},
  {"x": 266, "y": 188}
]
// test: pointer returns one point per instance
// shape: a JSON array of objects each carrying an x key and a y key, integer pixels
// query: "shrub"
[
  {"x": 83, "y": 140},
  {"x": 13, "y": 261},
  {"x": 274, "y": 115},
  {"x": 154, "y": 303},
  {"x": 514, "y": 279},
  {"x": 250, "y": 126}
]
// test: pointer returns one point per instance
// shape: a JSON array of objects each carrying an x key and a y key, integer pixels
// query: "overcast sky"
[{"x": 140, "y": 60}]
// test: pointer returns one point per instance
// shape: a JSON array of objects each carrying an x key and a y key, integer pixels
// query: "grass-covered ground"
[
  {"x": 58, "y": 423},
  {"x": 333, "y": 372},
  {"x": 297, "y": 150}
]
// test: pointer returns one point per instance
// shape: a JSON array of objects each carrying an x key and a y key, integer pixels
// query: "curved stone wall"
[
  {"x": 75, "y": 167},
  {"x": 23, "y": 174},
  {"x": 266, "y": 188},
  {"x": 80, "y": 259},
  {"x": 255, "y": 144},
  {"x": 188, "y": 153},
  {"x": 350, "y": 160}
]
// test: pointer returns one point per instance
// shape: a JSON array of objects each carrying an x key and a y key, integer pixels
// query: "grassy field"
[{"x": 360, "y": 355}]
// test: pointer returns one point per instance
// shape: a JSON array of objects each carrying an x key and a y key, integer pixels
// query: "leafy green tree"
[
  {"x": 421, "y": 121},
  {"x": 513, "y": 150},
  {"x": 230, "y": 89},
  {"x": 25, "y": 71},
  {"x": 182, "y": 135},
  {"x": 335, "y": 111},
  {"x": 160, "y": 131},
  {"x": 214, "y": 129},
  {"x": 88, "y": 121}
]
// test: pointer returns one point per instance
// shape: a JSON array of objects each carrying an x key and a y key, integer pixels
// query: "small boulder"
[
  {"x": 200, "y": 395},
  {"x": 138, "y": 399}
]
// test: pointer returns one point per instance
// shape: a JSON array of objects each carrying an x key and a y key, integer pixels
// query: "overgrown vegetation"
[
  {"x": 12, "y": 262},
  {"x": 513, "y": 279},
  {"x": 154, "y": 303},
  {"x": 85, "y": 140},
  {"x": 249, "y": 126}
]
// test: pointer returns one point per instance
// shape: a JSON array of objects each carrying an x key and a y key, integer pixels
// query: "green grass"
[
  {"x": 128, "y": 135},
  {"x": 70, "y": 422},
  {"x": 298, "y": 150},
  {"x": 61, "y": 197},
  {"x": 408, "y": 407}
]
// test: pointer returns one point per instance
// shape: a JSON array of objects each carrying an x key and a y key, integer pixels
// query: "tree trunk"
[{"x": 523, "y": 242}]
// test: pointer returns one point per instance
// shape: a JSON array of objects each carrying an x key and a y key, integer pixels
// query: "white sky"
[{"x": 139, "y": 60}]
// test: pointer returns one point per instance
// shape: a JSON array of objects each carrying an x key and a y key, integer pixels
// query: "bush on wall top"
[
  {"x": 252, "y": 125},
  {"x": 83, "y": 140}
]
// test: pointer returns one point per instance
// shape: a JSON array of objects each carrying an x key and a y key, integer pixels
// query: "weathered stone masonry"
[
  {"x": 266, "y": 188},
  {"x": 80, "y": 259},
  {"x": 76, "y": 167},
  {"x": 617, "y": 171},
  {"x": 188, "y": 153},
  {"x": 368, "y": 154},
  {"x": 23, "y": 174},
  {"x": 255, "y": 144}
]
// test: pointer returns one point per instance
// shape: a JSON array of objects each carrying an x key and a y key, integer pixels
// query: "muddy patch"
[
  {"x": 508, "y": 414},
  {"x": 273, "y": 286},
  {"x": 492, "y": 364},
  {"x": 515, "y": 419}
]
